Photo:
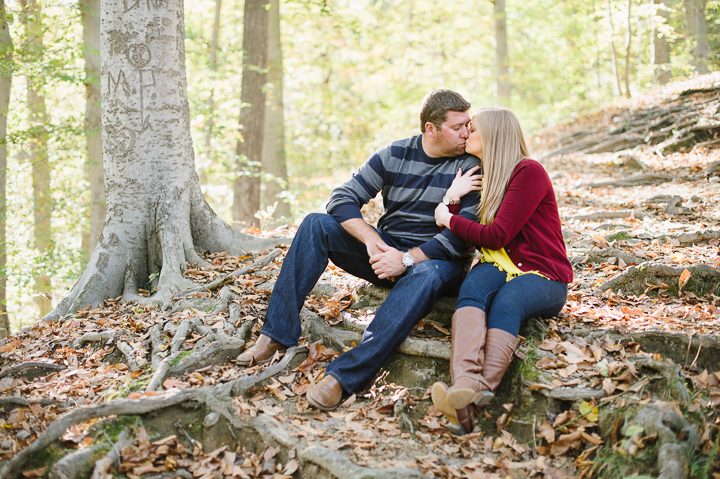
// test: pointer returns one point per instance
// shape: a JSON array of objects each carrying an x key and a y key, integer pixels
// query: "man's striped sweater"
[{"x": 412, "y": 184}]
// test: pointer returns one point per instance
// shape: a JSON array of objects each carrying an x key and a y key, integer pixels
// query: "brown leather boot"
[
  {"x": 467, "y": 358},
  {"x": 326, "y": 394},
  {"x": 262, "y": 351},
  {"x": 461, "y": 421},
  {"x": 499, "y": 350}
]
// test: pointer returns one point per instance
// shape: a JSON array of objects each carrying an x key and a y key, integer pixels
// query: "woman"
[{"x": 524, "y": 268}]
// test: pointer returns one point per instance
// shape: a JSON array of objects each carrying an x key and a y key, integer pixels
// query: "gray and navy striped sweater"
[{"x": 412, "y": 185}]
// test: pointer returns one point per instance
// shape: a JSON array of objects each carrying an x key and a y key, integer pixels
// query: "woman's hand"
[
  {"x": 464, "y": 184},
  {"x": 442, "y": 215}
]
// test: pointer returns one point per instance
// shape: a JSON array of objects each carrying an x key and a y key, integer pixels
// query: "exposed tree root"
[
  {"x": 239, "y": 386},
  {"x": 129, "y": 356},
  {"x": 31, "y": 369},
  {"x": 608, "y": 215},
  {"x": 85, "y": 413},
  {"x": 218, "y": 352},
  {"x": 70, "y": 466},
  {"x": 228, "y": 278},
  {"x": 644, "y": 179},
  {"x": 668, "y": 126},
  {"x": 604, "y": 255},
  {"x": 674, "y": 203},
  {"x": 648, "y": 276},
  {"x": 93, "y": 338},
  {"x": 11, "y": 402},
  {"x": 113, "y": 456}
]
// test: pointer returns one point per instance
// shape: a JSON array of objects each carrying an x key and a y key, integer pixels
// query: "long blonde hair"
[{"x": 503, "y": 147}]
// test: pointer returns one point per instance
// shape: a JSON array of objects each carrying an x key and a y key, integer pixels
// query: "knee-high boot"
[
  {"x": 500, "y": 346},
  {"x": 466, "y": 366},
  {"x": 467, "y": 359}
]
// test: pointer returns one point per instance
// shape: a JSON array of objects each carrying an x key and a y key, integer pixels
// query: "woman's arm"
[
  {"x": 465, "y": 183},
  {"x": 526, "y": 189}
]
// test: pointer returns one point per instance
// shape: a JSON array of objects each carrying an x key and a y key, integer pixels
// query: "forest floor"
[{"x": 626, "y": 380}]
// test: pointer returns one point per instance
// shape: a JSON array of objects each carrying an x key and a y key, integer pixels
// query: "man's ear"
[{"x": 430, "y": 129}]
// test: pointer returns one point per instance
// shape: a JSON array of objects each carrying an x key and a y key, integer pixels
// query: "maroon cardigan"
[{"x": 527, "y": 225}]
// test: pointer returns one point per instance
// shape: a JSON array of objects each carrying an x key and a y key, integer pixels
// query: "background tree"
[
  {"x": 90, "y": 15},
  {"x": 6, "y": 53},
  {"x": 157, "y": 217},
  {"x": 697, "y": 34},
  {"x": 274, "y": 179},
  {"x": 38, "y": 154},
  {"x": 502, "y": 62},
  {"x": 661, "y": 46},
  {"x": 246, "y": 191}
]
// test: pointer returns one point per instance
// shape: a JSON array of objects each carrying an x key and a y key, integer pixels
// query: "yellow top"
[{"x": 504, "y": 263}]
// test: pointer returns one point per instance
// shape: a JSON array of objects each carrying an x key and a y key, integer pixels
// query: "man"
[{"x": 408, "y": 252}]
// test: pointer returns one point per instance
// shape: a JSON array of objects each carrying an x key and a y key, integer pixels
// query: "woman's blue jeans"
[
  {"x": 319, "y": 238},
  {"x": 507, "y": 304}
]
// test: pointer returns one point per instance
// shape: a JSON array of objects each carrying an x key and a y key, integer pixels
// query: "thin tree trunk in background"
[
  {"x": 661, "y": 47},
  {"x": 697, "y": 34},
  {"x": 38, "y": 156},
  {"x": 210, "y": 115},
  {"x": 273, "y": 149},
  {"x": 502, "y": 69},
  {"x": 611, "y": 32},
  {"x": 246, "y": 190},
  {"x": 628, "y": 43},
  {"x": 90, "y": 15},
  {"x": 6, "y": 56}
]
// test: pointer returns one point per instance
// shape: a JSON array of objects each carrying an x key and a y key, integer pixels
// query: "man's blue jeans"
[
  {"x": 508, "y": 303},
  {"x": 319, "y": 238}
]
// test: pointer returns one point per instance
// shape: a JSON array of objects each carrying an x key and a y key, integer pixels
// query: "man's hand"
[
  {"x": 373, "y": 247},
  {"x": 442, "y": 215},
  {"x": 388, "y": 263}
]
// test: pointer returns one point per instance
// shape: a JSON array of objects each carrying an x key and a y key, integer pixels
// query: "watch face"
[{"x": 446, "y": 200}]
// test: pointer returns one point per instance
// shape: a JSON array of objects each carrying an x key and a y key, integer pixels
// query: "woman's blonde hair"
[{"x": 503, "y": 147}]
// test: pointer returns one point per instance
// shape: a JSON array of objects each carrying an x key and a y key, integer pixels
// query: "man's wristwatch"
[
  {"x": 447, "y": 201},
  {"x": 407, "y": 260}
]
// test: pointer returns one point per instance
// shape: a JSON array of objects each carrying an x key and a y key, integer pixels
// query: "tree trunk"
[
  {"x": 502, "y": 62},
  {"x": 157, "y": 217},
  {"x": 628, "y": 42},
  {"x": 246, "y": 190},
  {"x": 697, "y": 34},
  {"x": 6, "y": 53},
  {"x": 273, "y": 149},
  {"x": 661, "y": 47},
  {"x": 616, "y": 72},
  {"x": 90, "y": 14},
  {"x": 38, "y": 154},
  {"x": 210, "y": 115}
]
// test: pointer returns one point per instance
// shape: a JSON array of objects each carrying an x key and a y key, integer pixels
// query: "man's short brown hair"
[{"x": 437, "y": 103}]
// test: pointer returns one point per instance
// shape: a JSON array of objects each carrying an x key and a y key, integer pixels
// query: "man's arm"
[{"x": 365, "y": 233}]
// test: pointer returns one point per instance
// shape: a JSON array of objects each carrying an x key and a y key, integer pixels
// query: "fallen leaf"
[{"x": 684, "y": 277}]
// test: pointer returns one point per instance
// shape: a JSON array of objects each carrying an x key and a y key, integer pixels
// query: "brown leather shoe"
[
  {"x": 261, "y": 353},
  {"x": 326, "y": 394}
]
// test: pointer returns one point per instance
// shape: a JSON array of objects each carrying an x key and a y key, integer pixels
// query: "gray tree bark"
[
  {"x": 38, "y": 154},
  {"x": 661, "y": 46},
  {"x": 246, "y": 190},
  {"x": 210, "y": 115},
  {"x": 273, "y": 149},
  {"x": 6, "y": 58},
  {"x": 502, "y": 61},
  {"x": 697, "y": 34},
  {"x": 157, "y": 217},
  {"x": 90, "y": 15}
]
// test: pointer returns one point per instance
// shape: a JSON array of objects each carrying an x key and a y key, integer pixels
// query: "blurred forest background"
[{"x": 347, "y": 76}]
